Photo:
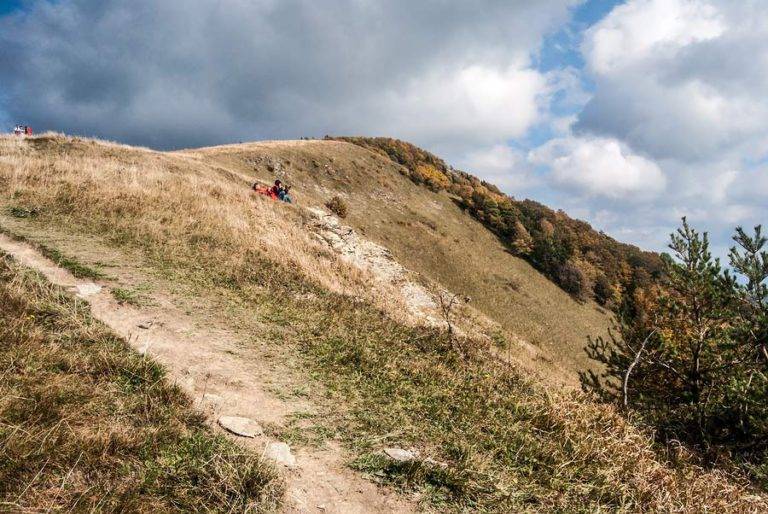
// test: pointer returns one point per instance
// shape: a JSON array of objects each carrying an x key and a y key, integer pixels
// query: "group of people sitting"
[
  {"x": 22, "y": 130},
  {"x": 276, "y": 192}
]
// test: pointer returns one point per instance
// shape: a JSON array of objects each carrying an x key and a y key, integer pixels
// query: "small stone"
[
  {"x": 244, "y": 427},
  {"x": 280, "y": 453},
  {"x": 322, "y": 507},
  {"x": 88, "y": 289},
  {"x": 146, "y": 325},
  {"x": 399, "y": 455}
]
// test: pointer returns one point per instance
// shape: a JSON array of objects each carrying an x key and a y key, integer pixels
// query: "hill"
[
  {"x": 584, "y": 262},
  {"x": 329, "y": 332},
  {"x": 429, "y": 233}
]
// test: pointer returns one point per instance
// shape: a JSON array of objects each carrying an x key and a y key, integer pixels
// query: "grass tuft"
[
  {"x": 135, "y": 296},
  {"x": 71, "y": 264},
  {"x": 22, "y": 212}
]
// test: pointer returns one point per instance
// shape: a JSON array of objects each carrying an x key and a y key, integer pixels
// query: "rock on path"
[{"x": 244, "y": 427}]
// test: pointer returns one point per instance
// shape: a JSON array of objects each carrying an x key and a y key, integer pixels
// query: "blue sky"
[
  {"x": 7, "y": 6},
  {"x": 627, "y": 114}
]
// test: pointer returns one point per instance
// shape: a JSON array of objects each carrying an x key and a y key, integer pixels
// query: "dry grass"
[
  {"x": 87, "y": 424},
  {"x": 429, "y": 234},
  {"x": 177, "y": 207},
  {"x": 508, "y": 443}
]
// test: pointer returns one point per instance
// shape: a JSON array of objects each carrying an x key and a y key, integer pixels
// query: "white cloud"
[
  {"x": 440, "y": 73},
  {"x": 469, "y": 105},
  {"x": 599, "y": 167},
  {"x": 679, "y": 84},
  {"x": 670, "y": 78},
  {"x": 640, "y": 28},
  {"x": 503, "y": 166}
]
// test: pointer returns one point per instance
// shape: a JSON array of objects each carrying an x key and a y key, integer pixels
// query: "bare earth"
[{"x": 208, "y": 362}]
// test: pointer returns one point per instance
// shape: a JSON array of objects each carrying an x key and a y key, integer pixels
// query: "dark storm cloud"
[{"x": 185, "y": 73}]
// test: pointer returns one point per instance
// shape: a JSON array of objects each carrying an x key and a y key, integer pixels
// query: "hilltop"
[{"x": 328, "y": 332}]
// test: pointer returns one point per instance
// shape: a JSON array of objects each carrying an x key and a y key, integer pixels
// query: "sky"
[{"x": 628, "y": 114}]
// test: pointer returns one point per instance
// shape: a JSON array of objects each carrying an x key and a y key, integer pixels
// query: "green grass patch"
[
  {"x": 71, "y": 264},
  {"x": 136, "y": 296},
  {"x": 22, "y": 212}
]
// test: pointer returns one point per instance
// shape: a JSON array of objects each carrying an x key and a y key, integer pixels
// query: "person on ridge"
[
  {"x": 283, "y": 194},
  {"x": 277, "y": 188}
]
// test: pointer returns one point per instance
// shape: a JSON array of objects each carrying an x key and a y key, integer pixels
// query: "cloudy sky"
[{"x": 629, "y": 114}]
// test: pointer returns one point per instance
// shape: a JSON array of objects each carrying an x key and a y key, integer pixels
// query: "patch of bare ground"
[{"x": 226, "y": 372}]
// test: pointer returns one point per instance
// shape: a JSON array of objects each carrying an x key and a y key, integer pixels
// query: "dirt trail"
[{"x": 209, "y": 363}]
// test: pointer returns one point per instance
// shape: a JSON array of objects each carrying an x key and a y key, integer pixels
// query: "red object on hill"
[
  {"x": 22, "y": 130},
  {"x": 264, "y": 190}
]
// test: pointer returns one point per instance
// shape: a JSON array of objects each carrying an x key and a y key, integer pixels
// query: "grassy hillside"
[
  {"x": 87, "y": 424},
  {"x": 586, "y": 263},
  {"x": 429, "y": 233},
  {"x": 490, "y": 439}
]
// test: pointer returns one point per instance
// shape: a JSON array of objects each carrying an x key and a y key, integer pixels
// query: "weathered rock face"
[{"x": 367, "y": 255}]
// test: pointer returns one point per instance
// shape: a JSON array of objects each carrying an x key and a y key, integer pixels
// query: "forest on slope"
[{"x": 586, "y": 263}]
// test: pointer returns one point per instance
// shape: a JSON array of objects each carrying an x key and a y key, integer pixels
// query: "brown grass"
[
  {"x": 87, "y": 424},
  {"x": 173, "y": 204},
  {"x": 429, "y": 234},
  {"x": 509, "y": 443}
]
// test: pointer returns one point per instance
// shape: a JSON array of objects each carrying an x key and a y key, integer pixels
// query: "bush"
[
  {"x": 337, "y": 206},
  {"x": 603, "y": 289},
  {"x": 691, "y": 362},
  {"x": 574, "y": 281}
]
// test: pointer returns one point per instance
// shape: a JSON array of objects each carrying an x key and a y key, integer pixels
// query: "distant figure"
[
  {"x": 283, "y": 194},
  {"x": 276, "y": 192},
  {"x": 277, "y": 188},
  {"x": 22, "y": 130}
]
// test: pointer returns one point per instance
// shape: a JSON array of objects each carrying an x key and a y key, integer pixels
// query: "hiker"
[
  {"x": 277, "y": 192},
  {"x": 283, "y": 194},
  {"x": 17, "y": 130},
  {"x": 277, "y": 188},
  {"x": 27, "y": 131},
  {"x": 262, "y": 189}
]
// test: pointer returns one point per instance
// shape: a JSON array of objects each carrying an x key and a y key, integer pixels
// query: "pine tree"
[
  {"x": 749, "y": 386},
  {"x": 672, "y": 364}
]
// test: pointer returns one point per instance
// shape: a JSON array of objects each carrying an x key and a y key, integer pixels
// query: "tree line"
[{"x": 584, "y": 262}]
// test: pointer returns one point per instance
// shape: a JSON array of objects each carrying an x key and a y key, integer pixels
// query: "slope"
[
  {"x": 484, "y": 437},
  {"x": 430, "y": 234},
  {"x": 86, "y": 424}
]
